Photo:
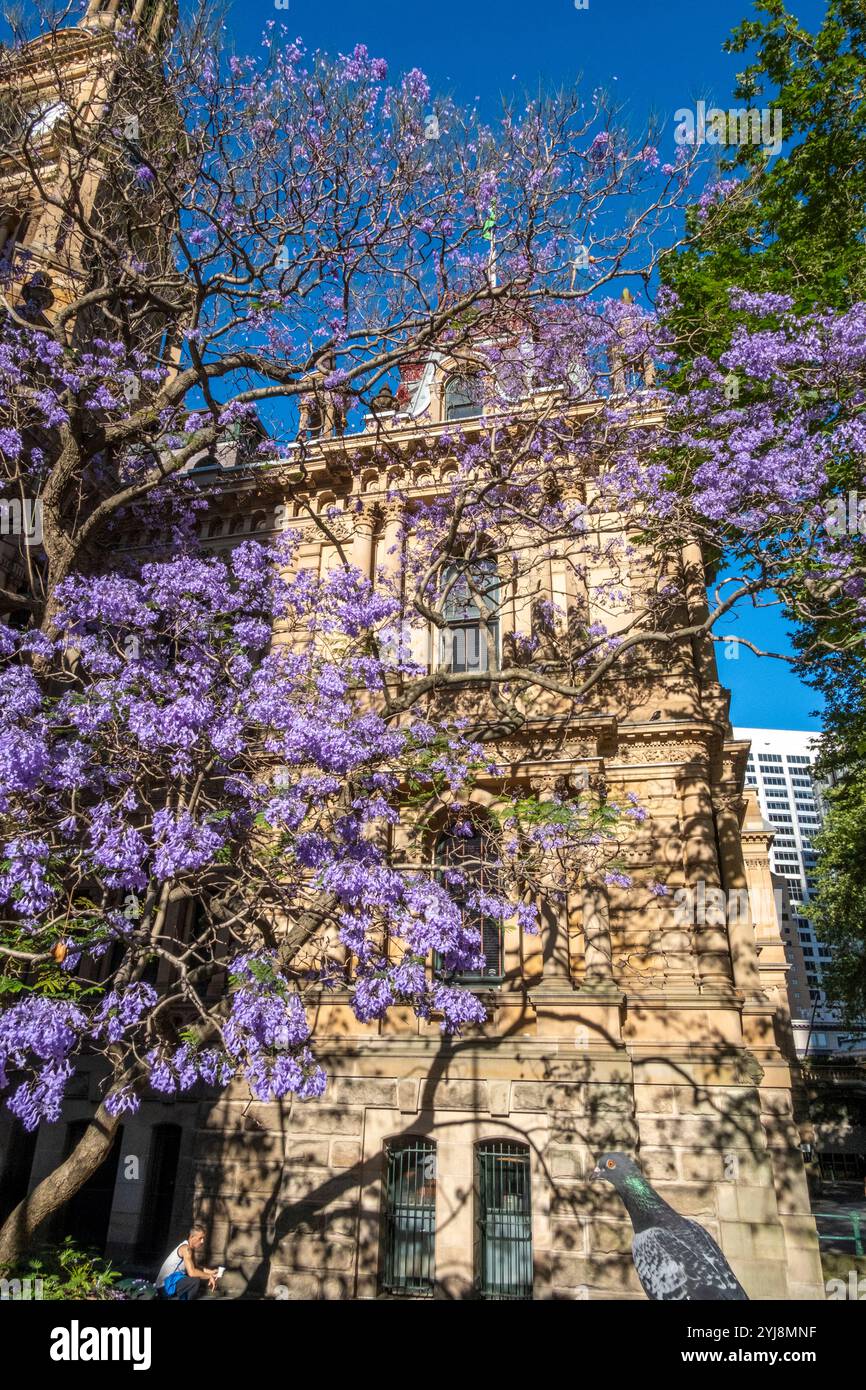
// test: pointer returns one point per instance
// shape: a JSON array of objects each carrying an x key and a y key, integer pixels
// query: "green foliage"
[
  {"x": 796, "y": 225},
  {"x": 840, "y": 906},
  {"x": 68, "y": 1273}
]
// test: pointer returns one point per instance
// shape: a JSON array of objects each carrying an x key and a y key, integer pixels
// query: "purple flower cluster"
[
  {"x": 43, "y": 1033},
  {"x": 121, "y": 1010}
]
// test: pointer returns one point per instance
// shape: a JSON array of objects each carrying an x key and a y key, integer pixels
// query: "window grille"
[
  {"x": 504, "y": 1224},
  {"x": 842, "y": 1167},
  {"x": 409, "y": 1265}
]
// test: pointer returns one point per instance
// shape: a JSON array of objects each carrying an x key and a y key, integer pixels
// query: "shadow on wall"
[{"x": 286, "y": 1224}]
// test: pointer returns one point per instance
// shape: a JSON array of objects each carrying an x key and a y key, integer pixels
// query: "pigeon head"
[{"x": 617, "y": 1169}]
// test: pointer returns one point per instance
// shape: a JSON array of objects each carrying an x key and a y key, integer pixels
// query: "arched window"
[
  {"x": 463, "y": 865},
  {"x": 463, "y": 643},
  {"x": 409, "y": 1217},
  {"x": 503, "y": 1249},
  {"x": 463, "y": 396}
]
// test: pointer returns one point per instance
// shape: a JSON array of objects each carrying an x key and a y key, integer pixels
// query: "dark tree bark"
[{"x": 22, "y": 1224}]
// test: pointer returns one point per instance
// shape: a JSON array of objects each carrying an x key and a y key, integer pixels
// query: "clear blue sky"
[
  {"x": 663, "y": 53},
  {"x": 654, "y": 57}
]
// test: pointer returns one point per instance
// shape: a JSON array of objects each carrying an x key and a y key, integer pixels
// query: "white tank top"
[{"x": 171, "y": 1265}]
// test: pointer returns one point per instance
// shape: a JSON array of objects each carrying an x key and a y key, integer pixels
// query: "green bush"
[{"x": 68, "y": 1273}]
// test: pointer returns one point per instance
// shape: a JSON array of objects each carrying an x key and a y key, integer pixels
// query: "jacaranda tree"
[{"x": 276, "y": 239}]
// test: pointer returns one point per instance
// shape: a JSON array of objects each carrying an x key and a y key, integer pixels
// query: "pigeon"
[{"x": 675, "y": 1259}]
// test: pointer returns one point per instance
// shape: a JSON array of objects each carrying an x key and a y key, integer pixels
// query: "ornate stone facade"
[{"x": 620, "y": 1026}]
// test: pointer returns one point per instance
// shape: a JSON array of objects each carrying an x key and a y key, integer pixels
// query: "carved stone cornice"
[
  {"x": 341, "y": 528},
  {"x": 673, "y": 750},
  {"x": 672, "y": 741}
]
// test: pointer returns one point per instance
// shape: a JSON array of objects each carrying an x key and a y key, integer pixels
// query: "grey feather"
[
  {"x": 683, "y": 1263},
  {"x": 675, "y": 1258}
]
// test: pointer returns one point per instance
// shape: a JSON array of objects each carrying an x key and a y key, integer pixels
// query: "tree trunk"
[{"x": 62, "y": 1183}]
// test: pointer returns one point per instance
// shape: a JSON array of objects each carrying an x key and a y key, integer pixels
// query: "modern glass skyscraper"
[{"x": 779, "y": 769}]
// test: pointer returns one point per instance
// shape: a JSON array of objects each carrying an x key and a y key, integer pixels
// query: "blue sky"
[
  {"x": 657, "y": 56},
  {"x": 653, "y": 57}
]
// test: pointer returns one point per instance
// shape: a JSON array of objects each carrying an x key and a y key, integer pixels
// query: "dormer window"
[{"x": 463, "y": 396}]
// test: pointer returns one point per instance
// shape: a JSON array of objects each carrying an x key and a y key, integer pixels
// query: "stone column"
[
  {"x": 390, "y": 545},
  {"x": 362, "y": 543},
  {"x": 525, "y": 589},
  {"x": 694, "y": 576},
  {"x": 556, "y": 967},
  {"x": 703, "y": 879},
  {"x": 741, "y": 932},
  {"x": 392, "y": 537},
  {"x": 607, "y": 571},
  {"x": 598, "y": 951}
]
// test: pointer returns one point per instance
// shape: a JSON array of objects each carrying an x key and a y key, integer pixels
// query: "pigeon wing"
[{"x": 683, "y": 1263}]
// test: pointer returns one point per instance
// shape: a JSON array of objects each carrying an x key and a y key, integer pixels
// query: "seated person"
[{"x": 180, "y": 1277}]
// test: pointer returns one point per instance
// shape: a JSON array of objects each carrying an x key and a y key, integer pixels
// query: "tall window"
[
  {"x": 504, "y": 1220},
  {"x": 409, "y": 1264},
  {"x": 464, "y": 855},
  {"x": 464, "y": 641},
  {"x": 463, "y": 396},
  {"x": 17, "y": 1161},
  {"x": 155, "y": 1232},
  {"x": 87, "y": 1215}
]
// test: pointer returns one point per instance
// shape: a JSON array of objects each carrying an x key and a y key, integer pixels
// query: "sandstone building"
[{"x": 437, "y": 1168}]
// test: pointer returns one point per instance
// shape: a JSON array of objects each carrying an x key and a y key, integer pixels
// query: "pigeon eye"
[{"x": 610, "y": 1163}]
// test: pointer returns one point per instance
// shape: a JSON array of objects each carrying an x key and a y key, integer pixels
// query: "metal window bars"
[
  {"x": 504, "y": 1221},
  {"x": 409, "y": 1265}
]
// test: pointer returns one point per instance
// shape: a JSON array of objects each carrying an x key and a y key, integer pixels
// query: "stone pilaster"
[
  {"x": 702, "y": 874},
  {"x": 741, "y": 934},
  {"x": 362, "y": 542}
]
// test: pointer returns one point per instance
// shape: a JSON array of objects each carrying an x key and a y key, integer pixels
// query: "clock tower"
[{"x": 73, "y": 135}]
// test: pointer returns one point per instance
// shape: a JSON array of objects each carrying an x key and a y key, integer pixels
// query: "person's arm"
[{"x": 192, "y": 1268}]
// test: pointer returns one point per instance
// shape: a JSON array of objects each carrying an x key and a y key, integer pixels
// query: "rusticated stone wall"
[{"x": 293, "y": 1194}]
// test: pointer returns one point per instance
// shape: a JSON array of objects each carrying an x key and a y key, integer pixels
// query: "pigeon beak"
[{"x": 596, "y": 1173}]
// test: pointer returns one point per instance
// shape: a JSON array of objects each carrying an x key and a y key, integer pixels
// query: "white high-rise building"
[{"x": 780, "y": 770}]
